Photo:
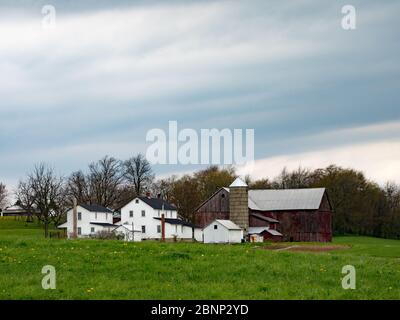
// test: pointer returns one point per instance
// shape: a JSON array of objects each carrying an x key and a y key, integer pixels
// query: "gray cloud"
[{"x": 107, "y": 74}]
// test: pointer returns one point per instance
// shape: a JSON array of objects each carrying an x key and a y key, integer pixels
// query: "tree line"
[{"x": 360, "y": 205}]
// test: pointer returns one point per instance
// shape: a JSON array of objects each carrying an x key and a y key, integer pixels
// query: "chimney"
[
  {"x": 162, "y": 227},
  {"x": 75, "y": 219},
  {"x": 239, "y": 204},
  {"x": 148, "y": 194}
]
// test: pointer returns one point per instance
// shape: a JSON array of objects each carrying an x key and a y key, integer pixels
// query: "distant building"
[
  {"x": 17, "y": 211},
  {"x": 288, "y": 215}
]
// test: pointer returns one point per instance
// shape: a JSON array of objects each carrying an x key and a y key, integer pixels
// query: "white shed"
[
  {"x": 222, "y": 231},
  {"x": 129, "y": 234}
]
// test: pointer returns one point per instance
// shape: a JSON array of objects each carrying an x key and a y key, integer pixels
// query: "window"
[
  {"x": 181, "y": 228},
  {"x": 215, "y": 227},
  {"x": 222, "y": 196},
  {"x": 176, "y": 229},
  {"x": 79, "y": 215},
  {"x": 106, "y": 216},
  {"x": 158, "y": 212},
  {"x": 95, "y": 216},
  {"x": 79, "y": 231},
  {"x": 137, "y": 201},
  {"x": 92, "y": 230},
  {"x": 143, "y": 229},
  {"x": 158, "y": 229},
  {"x": 131, "y": 214},
  {"x": 143, "y": 213}
]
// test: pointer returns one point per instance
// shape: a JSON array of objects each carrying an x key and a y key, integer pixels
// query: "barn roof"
[{"x": 287, "y": 199}]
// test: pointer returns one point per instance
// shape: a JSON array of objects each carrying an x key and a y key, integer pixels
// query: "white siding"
[
  {"x": 152, "y": 226},
  {"x": 87, "y": 217},
  {"x": 221, "y": 234}
]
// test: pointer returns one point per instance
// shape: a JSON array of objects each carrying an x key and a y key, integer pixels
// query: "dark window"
[
  {"x": 143, "y": 213},
  {"x": 131, "y": 214},
  {"x": 92, "y": 229},
  {"x": 137, "y": 201},
  {"x": 79, "y": 231},
  {"x": 158, "y": 229},
  {"x": 143, "y": 229},
  {"x": 222, "y": 196},
  {"x": 79, "y": 215},
  {"x": 215, "y": 227}
]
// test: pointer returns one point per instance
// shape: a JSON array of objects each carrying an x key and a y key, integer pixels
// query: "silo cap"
[{"x": 238, "y": 183}]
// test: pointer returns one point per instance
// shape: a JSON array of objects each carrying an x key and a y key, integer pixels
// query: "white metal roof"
[
  {"x": 258, "y": 230},
  {"x": 274, "y": 232},
  {"x": 238, "y": 183},
  {"x": 287, "y": 199},
  {"x": 229, "y": 224}
]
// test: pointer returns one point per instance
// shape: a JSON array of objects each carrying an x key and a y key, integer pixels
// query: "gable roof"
[
  {"x": 286, "y": 199},
  {"x": 261, "y": 230},
  {"x": 157, "y": 203},
  {"x": 229, "y": 224},
  {"x": 95, "y": 208}
]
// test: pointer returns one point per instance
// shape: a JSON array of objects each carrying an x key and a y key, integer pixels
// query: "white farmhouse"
[
  {"x": 145, "y": 213},
  {"x": 222, "y": 231},
  {"x": 91, "y": 218}
]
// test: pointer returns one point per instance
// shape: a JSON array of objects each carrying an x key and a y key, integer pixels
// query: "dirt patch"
[{"x": 305, "y": 248}]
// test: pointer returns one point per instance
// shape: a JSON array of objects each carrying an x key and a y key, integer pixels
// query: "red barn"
[{"x": 288, "y": 215}]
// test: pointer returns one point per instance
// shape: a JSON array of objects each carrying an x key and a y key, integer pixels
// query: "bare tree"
[
  {"x": 78, "y": 187},
  {"x": 138, "y": 173},
  {"x": 44, "y": 193},
  {"x": 3, "y": 196},
  {"x": 26, "y": 198},
  {"x": 104, "y": 180}
]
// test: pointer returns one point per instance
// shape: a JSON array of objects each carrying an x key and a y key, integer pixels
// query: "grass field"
[{"x": 95, "y": 269}]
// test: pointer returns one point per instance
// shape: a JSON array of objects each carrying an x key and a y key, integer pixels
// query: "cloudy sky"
[{"x": 95, "y": 84}]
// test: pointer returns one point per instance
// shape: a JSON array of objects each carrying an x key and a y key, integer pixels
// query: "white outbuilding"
[
  {"x": 222, "y": 231},
  {"x": 129, "y": 234}
]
